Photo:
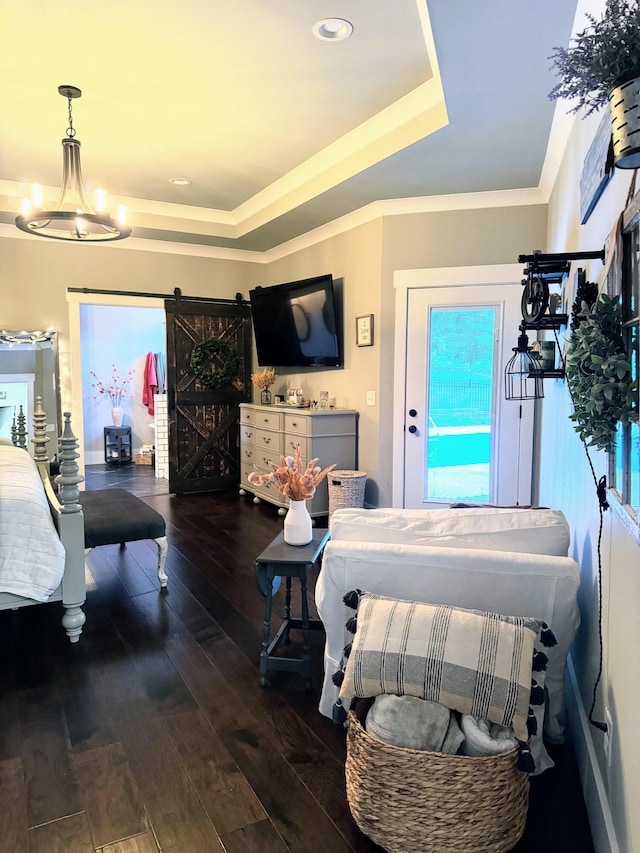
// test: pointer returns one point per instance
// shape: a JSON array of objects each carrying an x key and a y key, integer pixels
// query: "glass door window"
[{"x": 461, "y": 373}]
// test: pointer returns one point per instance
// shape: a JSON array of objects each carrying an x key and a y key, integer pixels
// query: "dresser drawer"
[
  {"x": 268, "y": 420},
  {"x": 269, "y": 441},
  {"x": 248, "y": 454},
  {"x": 290, "y": 442},
  {"x": 247, "y": 416},
  {"x": 296, "y": 424},
  {"x": 269, "y": 491},
  {"x": 247, "y": 434}
]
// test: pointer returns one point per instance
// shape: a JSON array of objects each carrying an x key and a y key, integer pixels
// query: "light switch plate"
[{"x": 371, "y": 398}]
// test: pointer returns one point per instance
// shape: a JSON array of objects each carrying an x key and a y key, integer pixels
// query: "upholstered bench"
[{"x": 113, "y": 516}]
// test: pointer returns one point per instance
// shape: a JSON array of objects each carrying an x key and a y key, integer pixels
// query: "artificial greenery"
[
  {"x": 601, "y": 57},
  {"x": 586, "y": 291},
  {"x": 599, "y": 374},
  {"x": 203, "y": 368}
]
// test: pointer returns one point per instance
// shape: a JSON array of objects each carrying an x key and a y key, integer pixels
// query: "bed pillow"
[{"x": 472, "y": 662}]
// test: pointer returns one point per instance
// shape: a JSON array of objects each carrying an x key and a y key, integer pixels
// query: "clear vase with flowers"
[
  {"x": 263, "y": 380},
  {"x": 298, "y": 482}
]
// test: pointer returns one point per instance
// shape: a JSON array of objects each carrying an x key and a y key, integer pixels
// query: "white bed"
[{"x": 42, "y": 531}]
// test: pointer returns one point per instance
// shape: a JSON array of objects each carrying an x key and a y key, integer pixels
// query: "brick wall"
[{"x": 162, "y": 435}]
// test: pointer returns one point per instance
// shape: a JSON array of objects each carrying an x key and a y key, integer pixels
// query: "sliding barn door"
[{"x": 204, "y": 450}]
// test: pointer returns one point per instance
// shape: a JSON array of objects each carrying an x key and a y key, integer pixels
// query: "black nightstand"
[{"x": 117, "y": 444}]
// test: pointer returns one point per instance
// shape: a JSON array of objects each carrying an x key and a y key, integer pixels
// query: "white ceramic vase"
[
  {"x": 117, "y": 413},
  {"x": 297, "y": 524}
]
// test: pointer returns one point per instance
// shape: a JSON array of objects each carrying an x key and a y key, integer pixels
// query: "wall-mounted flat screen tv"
[{"x": 297, "y": 324}]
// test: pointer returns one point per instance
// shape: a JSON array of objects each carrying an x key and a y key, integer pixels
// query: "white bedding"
[{"x": 32, "y": 557}]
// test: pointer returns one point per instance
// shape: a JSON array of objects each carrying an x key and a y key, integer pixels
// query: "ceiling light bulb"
[
  {"x": 101, "y": 201},
  {"x": 332, "y": 29},
  {"x": 36, "y": 195},
  {"x": 180, "y": 182}
]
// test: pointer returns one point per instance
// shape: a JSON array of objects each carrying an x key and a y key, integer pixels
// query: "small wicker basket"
[
  {"x": 346, "y": 489},
  {"x": 414, "y": 801},
  {"x": 147, "y": 458}
]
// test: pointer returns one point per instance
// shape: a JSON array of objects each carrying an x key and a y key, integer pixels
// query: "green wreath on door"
[{"x": 202, "y": 362}]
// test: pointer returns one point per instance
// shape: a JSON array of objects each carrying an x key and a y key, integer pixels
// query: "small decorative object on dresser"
[{"x": 263, "y": 380}]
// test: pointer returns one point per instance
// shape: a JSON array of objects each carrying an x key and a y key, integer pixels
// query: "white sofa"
[{"x": 510, "y": 561}]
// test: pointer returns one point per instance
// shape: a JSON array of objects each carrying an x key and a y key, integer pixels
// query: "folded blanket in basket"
[
  {"x": 484, "y": 738},
  {"x": 414, "y": 723}
]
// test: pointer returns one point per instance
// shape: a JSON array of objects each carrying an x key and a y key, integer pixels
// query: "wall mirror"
[{"x": 29, "y": 369}]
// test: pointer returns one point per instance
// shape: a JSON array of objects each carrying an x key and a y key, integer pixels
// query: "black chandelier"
[{"x": 73, "y": 217}]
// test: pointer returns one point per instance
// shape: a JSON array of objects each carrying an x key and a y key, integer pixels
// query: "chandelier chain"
[{"x": 71, "y": 132}]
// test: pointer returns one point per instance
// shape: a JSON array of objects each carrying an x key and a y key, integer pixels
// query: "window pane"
[
  {"x": 618, "y": 483},
  {"x": 634, "y": 485},
  {"x": 631, "y": 290},
  {"x": 460, "y": 401}
]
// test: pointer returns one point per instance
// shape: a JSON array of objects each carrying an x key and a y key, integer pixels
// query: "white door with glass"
[{"x": 463, "y": 441}]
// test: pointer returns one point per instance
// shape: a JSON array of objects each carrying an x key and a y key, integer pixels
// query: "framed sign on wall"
[{"x": 364, "y": 330}]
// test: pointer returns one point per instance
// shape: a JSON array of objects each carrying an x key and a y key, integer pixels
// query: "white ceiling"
[{"x": 278, "y": 132}]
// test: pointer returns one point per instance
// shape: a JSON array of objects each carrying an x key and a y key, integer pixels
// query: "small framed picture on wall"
[{"x": 364, "y": 330}]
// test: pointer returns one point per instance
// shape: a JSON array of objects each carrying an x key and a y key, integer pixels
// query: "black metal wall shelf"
[
  {"x": 547, "y": 321},
  {"x": 556, "y": 373}
]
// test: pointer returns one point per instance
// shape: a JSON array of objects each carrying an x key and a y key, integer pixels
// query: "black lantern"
[{"x": 523, "y": 373}]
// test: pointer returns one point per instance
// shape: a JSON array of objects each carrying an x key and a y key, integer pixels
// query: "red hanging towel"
[{"x": 149, "y": 382}]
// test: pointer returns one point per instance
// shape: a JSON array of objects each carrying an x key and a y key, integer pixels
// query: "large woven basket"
[
  {"x": 346, "y": 489},
  {"x": 413, "y": 801}
]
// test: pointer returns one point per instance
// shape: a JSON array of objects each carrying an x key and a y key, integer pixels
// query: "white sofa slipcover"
[{"x": 475, "y": 558}]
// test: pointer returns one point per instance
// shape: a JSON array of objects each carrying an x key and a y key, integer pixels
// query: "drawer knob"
[
  {"x": 294, "y": 423},
  {"x": 267, "y": 440}
]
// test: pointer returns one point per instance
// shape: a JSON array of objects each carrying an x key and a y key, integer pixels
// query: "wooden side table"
[{"x": 288, "y": 561}]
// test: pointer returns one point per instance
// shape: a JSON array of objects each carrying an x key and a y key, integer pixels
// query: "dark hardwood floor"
[{"x": 152, "y": 734}]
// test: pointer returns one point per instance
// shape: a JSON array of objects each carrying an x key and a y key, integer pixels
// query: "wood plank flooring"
[{"x": 152, "y": 734}]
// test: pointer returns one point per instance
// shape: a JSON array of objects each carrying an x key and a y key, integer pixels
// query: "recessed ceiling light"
[
  {"x": 180, "y": 182},
  {"x": 333, "y": 29}
]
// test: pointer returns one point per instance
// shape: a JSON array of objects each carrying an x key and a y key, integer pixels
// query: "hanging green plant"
[
  {"x": 206, "y": 357},
  {"x": 586, "y": 291},
  {"x": 599, "y": 374}
]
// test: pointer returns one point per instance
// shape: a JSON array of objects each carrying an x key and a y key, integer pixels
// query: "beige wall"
[
  {"x": 363, "y": 259},
  {"x": 366, "y": 259},
  {"x": 35, "y": 275},
  {"x": 460, "y": 238},
  {"x": 354, "y": 258},
  {"x": 565, "y": 481}
]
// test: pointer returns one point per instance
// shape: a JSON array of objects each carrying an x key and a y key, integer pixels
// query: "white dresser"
[{"x": 268, "y": 432}]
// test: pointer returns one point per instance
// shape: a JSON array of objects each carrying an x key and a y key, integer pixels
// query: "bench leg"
[{"x": 161, "y": 542}]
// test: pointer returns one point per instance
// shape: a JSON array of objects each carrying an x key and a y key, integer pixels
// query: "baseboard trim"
[{"x": 593, "y": 787}]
